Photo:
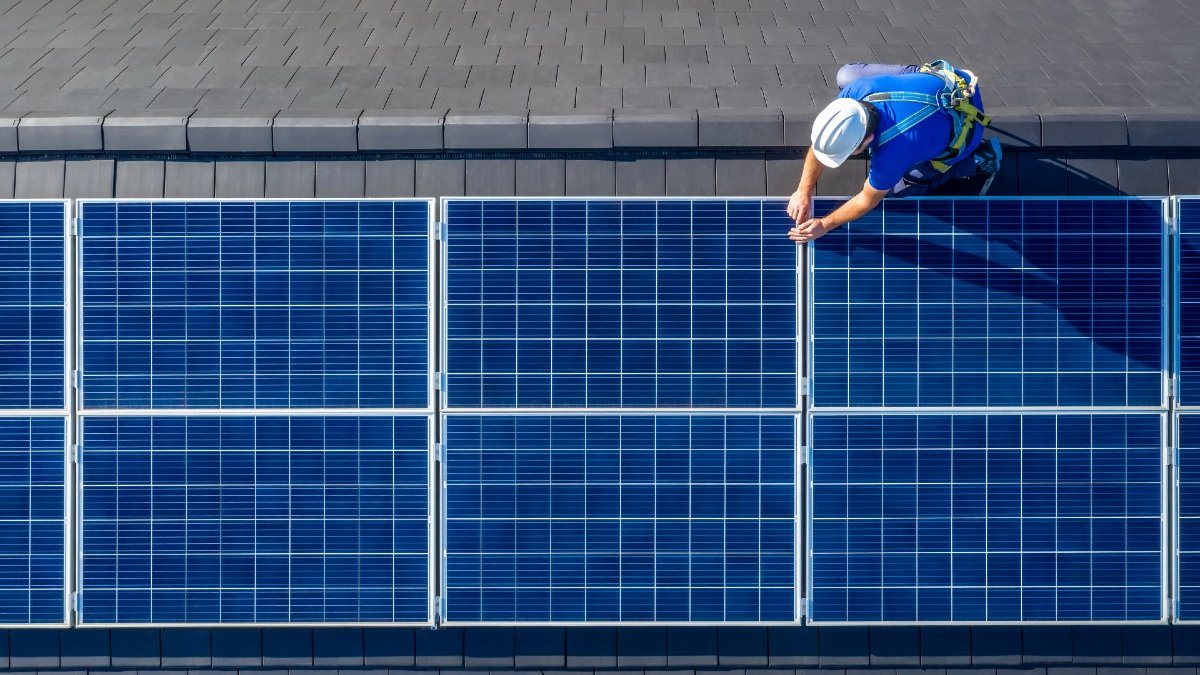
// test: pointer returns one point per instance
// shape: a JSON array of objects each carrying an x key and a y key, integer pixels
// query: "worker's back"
[{"x": 923, "y": 142}]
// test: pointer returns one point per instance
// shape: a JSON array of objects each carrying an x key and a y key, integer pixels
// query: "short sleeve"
[{"x": 887, "y": 168}]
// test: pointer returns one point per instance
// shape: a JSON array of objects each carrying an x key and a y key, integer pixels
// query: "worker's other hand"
[
  {"x": 799, "y": 207},
  {"x": 808, "y": 230}
]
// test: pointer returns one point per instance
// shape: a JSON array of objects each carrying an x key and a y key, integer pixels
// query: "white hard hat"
[{"x": 838, "y": 131}]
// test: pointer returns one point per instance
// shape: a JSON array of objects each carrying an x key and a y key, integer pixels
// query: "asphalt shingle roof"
[{"x": 769, "y": 60}]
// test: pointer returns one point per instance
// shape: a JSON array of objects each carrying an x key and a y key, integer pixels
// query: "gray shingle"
[
  {"x": 341, "y": 179},
  {"x": 748, "y": 177},
  {"x": 540, "y": 178},
  {"x": 193, "y": 180},
  {"x": 439, "y": 178},
  {"x": 1138, "y": 174},
  {"x": 693, "y": 97},
  {"x": 597, "y": 97},
  {"x": 694, "y": 176},
  {"x": 140, "y": 179}
]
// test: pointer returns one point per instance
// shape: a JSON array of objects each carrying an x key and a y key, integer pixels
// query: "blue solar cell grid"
[
  {"x": 256, "y": 304},
  {"x": 630, "y": 518},
  {"x": 997, "y": 517},
  {"x": 33, "y": 240},
  {"x": 32, "y": 520},
  {"x": 226, "y": 520},
  {"x": 1187, "y": 532},
  {"x": 565, "y": 303},
  {"x": 1000, "y": 302},
  {"x": 1187, "y": 272}
]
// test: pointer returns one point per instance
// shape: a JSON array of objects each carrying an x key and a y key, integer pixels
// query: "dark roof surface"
[{"x": 656, "y": 63}]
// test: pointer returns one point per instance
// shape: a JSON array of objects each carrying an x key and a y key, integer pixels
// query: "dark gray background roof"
[{"x": 325, "y": 62}]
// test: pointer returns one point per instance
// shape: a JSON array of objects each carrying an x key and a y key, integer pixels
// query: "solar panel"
[
  {"x": 996, "y": 517},
  {"x": 1187, "y": 533},
  {"x": 33, "y": 240},
  {"x": 32, "y": 522},
  {"x": 1187, "y": 272},
  {"x": 256, "y": 304},
  {"x": 561, "y": 303},
  {"x": 1000, "y": 302},
  {"x": 631, "y": 518},
  {"x": 224, "y": 520}
]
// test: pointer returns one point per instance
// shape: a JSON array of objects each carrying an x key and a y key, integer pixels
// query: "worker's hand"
[
  {"x": 799, "y": 207},
  {"x": 808, "y": 230}
]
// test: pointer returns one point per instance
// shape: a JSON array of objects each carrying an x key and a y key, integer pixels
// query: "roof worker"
[{"x": 921, "y": 127}]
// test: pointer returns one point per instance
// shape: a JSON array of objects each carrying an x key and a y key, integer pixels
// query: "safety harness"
[{"x": 954, "y": 100}]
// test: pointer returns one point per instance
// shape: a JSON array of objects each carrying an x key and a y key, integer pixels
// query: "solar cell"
[
  {"x": 256, "y": 304},
  {"x": 986, "y": 517},
  {"x": 220, "y": 520},
  {"x": 32, "y": 520},
  {"x": 1000, "y": 302},
  {"x": 33, "y": 240},
  {"x": 630, "y": 518},
  {"x": 1187, "y": 272},
  {"x": 569, "y": 303}
]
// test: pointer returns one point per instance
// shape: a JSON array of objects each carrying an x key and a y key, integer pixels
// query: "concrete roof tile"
[
  {"x": 461, "y": 98},
  {"x": 551, "y": 98},
  {"x": 645, "y": 97},
  {"x": 271, "y": 97},
  {"x": 411, "y": 98},
  {"x": 142, "y": 78},
  {"x": 535, "y": 75},
  {"x": 597, "y": 97},
  {"x": 692, "y": 97}
]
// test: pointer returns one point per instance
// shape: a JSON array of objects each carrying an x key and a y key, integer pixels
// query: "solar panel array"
[
  {"x": 572, "y": 303},
  {"x": 622, "y": 418},
  {"x": 259, "y": 519},
  {"x": 573, "y": 518},
  {"x": 987, "y": 517},
  {"x": 288, "y": 344},
  {"x": 267, "y": 304},
  {"x": 1000, "y": 302},
  {"x": 33, "y": 412}
]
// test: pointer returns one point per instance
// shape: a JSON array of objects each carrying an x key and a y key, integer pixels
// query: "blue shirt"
[{"x": 920, "y": 144}]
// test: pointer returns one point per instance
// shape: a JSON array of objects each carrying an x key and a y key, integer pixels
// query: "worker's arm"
[
  {"x": 800, "y": 205},
  {"x": 858, "y": 206}
]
